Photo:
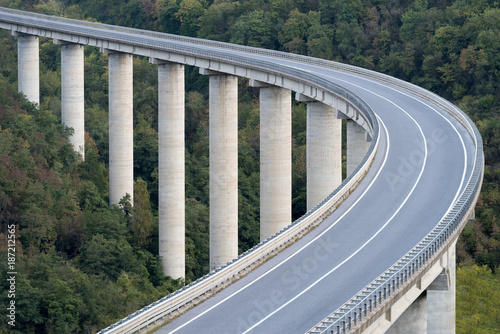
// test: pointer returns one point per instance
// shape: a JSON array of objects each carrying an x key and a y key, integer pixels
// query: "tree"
[
  {"x": 478, "y": 300},
  {"x": 293, "y": 34},
  {"x": 141, "y": 222},
  {"x": 189, "y": 14},
  {"x": 253, "y": 29}
]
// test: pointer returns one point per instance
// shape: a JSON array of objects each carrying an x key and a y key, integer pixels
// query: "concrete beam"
[
  {"x": 28, "y": 67},
  {"x": 275, "y": 160},
  {"x": 72, "y": 94},
  {"x": 223, "y": 138},
  {"x": 324, "y": 152},
  {"x": 414, "y": 318},
  {"x": 171, "y": 169},
  {"x": 121, "y": 130}
]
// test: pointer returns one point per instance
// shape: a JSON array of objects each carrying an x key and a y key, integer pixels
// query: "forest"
[{"x": 82, "y": 265}]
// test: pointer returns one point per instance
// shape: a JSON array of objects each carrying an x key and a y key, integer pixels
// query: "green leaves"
[{"x": 478, "y": 300}]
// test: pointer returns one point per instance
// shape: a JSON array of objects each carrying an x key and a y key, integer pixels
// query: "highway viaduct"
[{"x": 382, "y": 259}]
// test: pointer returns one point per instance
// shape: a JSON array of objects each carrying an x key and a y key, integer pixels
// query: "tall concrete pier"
[
  {"x": 72, "y": 94},
  {"x": 357, "y": 145},
  {"x": 171, "y": 168},
  {"x": 223, "y": 133},
  {"x": 275, "y": 160},
  {"x": 324, "y": 152},
  {"x": 28, "y": 67},
  {"x": 441, "y": 297},
  {"x": 121, "y": 130}
]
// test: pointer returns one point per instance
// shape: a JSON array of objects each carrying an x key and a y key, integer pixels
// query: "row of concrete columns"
[
  {"x": 324, "y": 158},
  {"x": 432, "y": 312}
]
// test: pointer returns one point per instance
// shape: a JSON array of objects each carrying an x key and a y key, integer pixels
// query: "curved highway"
[
  {"x": 422, "y": 165},
  {"x": 424, "y": 162}
]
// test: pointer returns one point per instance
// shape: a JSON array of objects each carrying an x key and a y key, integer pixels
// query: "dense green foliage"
[
  {"x": 97, "y": 256},
  {"x": 478, "y": 300}
]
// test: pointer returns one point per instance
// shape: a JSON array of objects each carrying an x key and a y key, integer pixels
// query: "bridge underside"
[{"x": 426, "y": 305}]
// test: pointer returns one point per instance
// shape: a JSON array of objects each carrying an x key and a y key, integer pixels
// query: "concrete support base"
[
  {"x": 171, "y": 169},
  {"x": 275, "y": 160},
  {"x": 324, "y": 152},
  {"x": 357, "y": 145},
  {"x": 28, "y": 67},
  {"x": 72, "y": 94},
  {"x": 223, "y": 133},
  {"x": 121, "y": 130}
]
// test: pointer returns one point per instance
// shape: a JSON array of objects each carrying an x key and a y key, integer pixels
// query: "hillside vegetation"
[{"x": 82, "y": 265}]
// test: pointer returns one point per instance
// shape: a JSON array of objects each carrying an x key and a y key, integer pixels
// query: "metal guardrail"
[{"x": 379, "y": 291}]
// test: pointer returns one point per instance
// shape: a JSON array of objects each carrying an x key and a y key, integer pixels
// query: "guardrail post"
[
  {"x": 171, "y": 168},
  {"x": 28, "y": 67},
  {"x": 72, "y": 94},
  {"x": 121, "y": 127}
]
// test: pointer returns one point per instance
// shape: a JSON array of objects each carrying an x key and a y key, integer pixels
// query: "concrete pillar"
[
  {"x": 357, "y": 145},
  {"x": 472, "y": 216},
  {"x": 72, "y": 94},
  {"x": 223, "y": 139},
  {"x": 275, "y": 160},
  {"x": 414, "y": 318},
  {"x": 324, "y": 152},
  {"x": 121, "y": 130},
  {"x": 28, "y": 67},
  {"x": 171, "y": 169},
  {"x": 441, "y": 297}
]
